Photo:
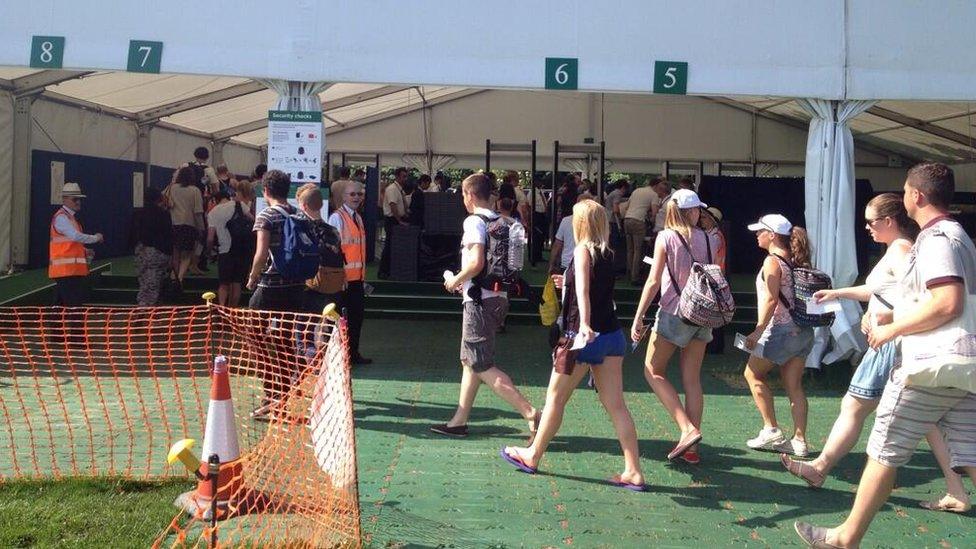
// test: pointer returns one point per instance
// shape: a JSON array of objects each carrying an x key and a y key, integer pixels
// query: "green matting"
[{"x": 418, "y": 489}]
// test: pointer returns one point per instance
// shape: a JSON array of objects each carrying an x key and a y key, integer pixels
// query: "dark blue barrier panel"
[{"x": 107, "y": 208}]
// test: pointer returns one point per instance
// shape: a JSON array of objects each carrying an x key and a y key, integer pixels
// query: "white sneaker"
[
  {"x": 793, "y": 447},
  {"x": 767, "y": 439}
]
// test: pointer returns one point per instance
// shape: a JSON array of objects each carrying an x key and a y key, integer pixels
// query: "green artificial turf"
[{"x": 418, "y": 489}]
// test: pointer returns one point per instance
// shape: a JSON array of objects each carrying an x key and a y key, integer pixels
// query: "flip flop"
[
  {"x": 683, "y": 446},
  {"x": 953, "y": 505},
  {"x": 518, "y": 463},
  {"x": 627, "y": 485}
]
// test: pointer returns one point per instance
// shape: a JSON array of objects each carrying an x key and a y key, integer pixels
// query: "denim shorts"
[
  {"x": 868, "y": 381},
  {"x": 783, "y": 342},
  {"x": 610, "y": 344},
  {"x": 677, "y": 331}
]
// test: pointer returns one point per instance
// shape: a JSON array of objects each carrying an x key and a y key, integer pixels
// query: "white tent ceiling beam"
[
  {"x": 327, "y": 106},
  {"x": 38, "y": 81},
  {"x": 183, "y": 105},
  {"x": 921, "y": 125},
  {"x": 447, "y": 98}
]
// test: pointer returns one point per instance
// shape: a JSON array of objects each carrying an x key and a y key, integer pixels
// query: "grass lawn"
[{"x": 421, "y": 490}]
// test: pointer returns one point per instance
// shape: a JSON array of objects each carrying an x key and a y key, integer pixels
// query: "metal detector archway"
[
  {"x": 516, "y": 147},
  {"x": 599, "y": 149}
]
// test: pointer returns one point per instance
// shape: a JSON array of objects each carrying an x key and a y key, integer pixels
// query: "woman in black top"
[
  {"x": 152, "y": 235},
  {"x": 588, "y": 316}
]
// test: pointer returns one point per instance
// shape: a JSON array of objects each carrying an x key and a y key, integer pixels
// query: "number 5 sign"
[
  {"x": 145, "y": 56},
  {"x": 561, "y": 73},
  {"x": 671, "y": 77}
]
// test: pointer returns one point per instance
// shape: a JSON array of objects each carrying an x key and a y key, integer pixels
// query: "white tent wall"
[
  {"x": 640, "y": 131},
  {"x": 63, "y": 128},
  {"x": 172, "y": 148},
  {"x": 6, "y": 176}
]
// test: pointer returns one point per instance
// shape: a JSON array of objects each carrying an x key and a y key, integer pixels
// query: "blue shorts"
[
  {"x": 611, "y": 344},
  {"x": 871, "y": 376}
]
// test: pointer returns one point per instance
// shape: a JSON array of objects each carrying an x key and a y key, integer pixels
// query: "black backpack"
[
  {"x": 498, "y": 274},
  {"x": 806, "y": 282},
  {"x": 240, "y": 227},
  {"x": 200, "y": 179}
]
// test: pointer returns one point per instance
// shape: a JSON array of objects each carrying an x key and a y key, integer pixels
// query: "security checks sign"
[{"x": 295, "y": 144}]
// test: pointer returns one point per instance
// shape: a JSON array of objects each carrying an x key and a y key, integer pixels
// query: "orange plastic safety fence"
[{"x": 106, "y": 391}]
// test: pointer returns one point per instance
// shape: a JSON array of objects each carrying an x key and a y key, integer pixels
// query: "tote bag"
[{"x": 945, "y": 356}]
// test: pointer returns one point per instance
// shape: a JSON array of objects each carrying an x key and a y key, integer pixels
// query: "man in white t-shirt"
[
  {"x": 482, "y": 316},
  {"x": 942, "y": 277},
  {"x": 563, "y": 245},
  {"x": 643, "y": 204}
]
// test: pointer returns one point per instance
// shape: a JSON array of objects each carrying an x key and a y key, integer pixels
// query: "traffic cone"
[{"x": 220, "y": 437}]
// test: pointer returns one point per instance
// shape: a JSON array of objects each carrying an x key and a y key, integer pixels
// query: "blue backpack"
[{"x": 297, "y": 258}]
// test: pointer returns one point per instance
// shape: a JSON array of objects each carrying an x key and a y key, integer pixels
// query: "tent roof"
[{"x": 236, "y": 108}]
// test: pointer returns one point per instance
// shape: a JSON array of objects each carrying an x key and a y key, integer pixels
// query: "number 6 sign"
[
  {"x": 561, "y": 73},
  {"x": 671, "y": 77},
  {"x": 145, "y": 56}
]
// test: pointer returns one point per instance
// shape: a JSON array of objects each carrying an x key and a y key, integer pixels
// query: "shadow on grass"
[{"x": 387, "y": 524}]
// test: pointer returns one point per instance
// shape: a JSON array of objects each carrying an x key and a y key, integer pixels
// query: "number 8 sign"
[{"x": 47, "y": 52}]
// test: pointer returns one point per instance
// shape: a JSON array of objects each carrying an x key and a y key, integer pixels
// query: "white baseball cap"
[
  {"x": 773, "y": 222},
  {"x": 72, "y": 190},
  {"x": 687, "y": 199}
]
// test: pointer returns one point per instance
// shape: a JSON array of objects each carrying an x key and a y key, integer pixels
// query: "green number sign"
[
  {"x": 47, "y": 52},
  {"x": 145, "y": 56},
  {"x": 671, "y": 77},
  {"x": 561, "y": 73}
]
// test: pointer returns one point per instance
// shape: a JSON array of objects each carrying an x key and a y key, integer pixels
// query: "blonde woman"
[
  {"x": 587, "y": 286},
  {"x": 677, "y": 247}
]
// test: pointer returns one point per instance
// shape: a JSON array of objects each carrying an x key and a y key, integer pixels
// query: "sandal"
[
  {"x": 949, "y": 503},
  {"x": 518, "y": 463},
  {"x": 685, "y": 444},
  {"x": 803, "y": 470},
  {"x": 616, "y": 481}
]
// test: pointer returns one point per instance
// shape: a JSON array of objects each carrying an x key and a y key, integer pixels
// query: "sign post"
[
  {"x": 562, "y": 73},
  {"x": 47, "y": 52},
  {"x": 295, "y": 144},
  {"x": 671, "y": 77}
]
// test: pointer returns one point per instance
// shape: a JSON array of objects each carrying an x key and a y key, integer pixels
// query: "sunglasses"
[
  {"x": 871, "y": 222},
  {"x": 357, "y": 194}
]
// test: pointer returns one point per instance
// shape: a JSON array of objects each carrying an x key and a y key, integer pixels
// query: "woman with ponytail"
[
  {"x": 677, "y": 248},
  {"x": 888, "y": 223},
  {"x": 777, "y": 340}
]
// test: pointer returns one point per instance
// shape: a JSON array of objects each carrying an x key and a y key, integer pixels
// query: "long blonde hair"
[
  {"x": 591, "y": 227},
  {"x": 677, "y": 220}
]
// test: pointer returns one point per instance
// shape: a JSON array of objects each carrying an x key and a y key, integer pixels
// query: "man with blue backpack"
[{"x": 287, "y": 252}]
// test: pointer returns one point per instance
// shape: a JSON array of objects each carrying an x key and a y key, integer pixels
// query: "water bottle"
[{"x": 516, "y": 247}]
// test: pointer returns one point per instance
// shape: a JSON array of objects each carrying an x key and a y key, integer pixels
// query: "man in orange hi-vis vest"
[
  {"x": 68, "y": 263},
  {"x": 350, "y": 227}
]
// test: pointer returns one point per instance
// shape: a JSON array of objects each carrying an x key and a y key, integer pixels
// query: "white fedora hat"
[{"x": 72, "y": 190}]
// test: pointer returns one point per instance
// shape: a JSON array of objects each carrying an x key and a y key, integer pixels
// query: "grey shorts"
[
  {"x": 677, "y": 331},
  {"x": 478, "y": 327},
  {"x": 906, "y": 413},
  {"x": 783, "y": 342}
]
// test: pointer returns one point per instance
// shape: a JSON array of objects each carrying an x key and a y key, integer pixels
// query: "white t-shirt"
[
  {"x": 565, "y": 234},
  {"x": 394, "y": 194},
  {"x": 641, "y": 201},
  {"x": 218, "y": 218},
  {"x": 476, "y": 232},
  {"x": 662, "y": 213}
]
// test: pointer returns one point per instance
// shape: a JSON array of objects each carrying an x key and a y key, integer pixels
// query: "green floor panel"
[{"x": 418, "y": 489}]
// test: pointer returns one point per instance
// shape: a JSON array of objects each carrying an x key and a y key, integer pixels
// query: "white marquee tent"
[{"x": 779, "y": 85}]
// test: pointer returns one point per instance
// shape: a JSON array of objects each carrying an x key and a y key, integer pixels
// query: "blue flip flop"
[
  {"x": 627, "y": 485},
  {"x": 518, "y": 463}
]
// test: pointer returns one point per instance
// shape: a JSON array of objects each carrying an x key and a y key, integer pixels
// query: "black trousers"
[
  {"x": 540, "y": 228},
  {"x": 354, "y": 303},
  {"x": 71, "y": 291},
  {"x": 388, "y": 224}
]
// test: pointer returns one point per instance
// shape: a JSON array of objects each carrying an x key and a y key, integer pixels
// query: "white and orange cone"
[{"x": 220, "y": 437}]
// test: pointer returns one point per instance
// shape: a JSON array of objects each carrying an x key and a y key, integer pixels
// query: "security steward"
[
  {"x": 350, "y": 227},
  {"x": 68, "y": 264}
]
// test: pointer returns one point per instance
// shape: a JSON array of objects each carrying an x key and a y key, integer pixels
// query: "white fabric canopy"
[{"x": 830, "y": 217}]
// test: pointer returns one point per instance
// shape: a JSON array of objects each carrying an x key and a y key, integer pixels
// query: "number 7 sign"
[{"x": 145, "y": 56}]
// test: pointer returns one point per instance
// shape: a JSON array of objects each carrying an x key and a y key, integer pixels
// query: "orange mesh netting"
[{"x": 106, "y": 391}]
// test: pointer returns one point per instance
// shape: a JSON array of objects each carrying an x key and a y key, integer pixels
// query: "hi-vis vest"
[
  {"x": 67, "y": 257},
  {"x": 353, "y": 247}
]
